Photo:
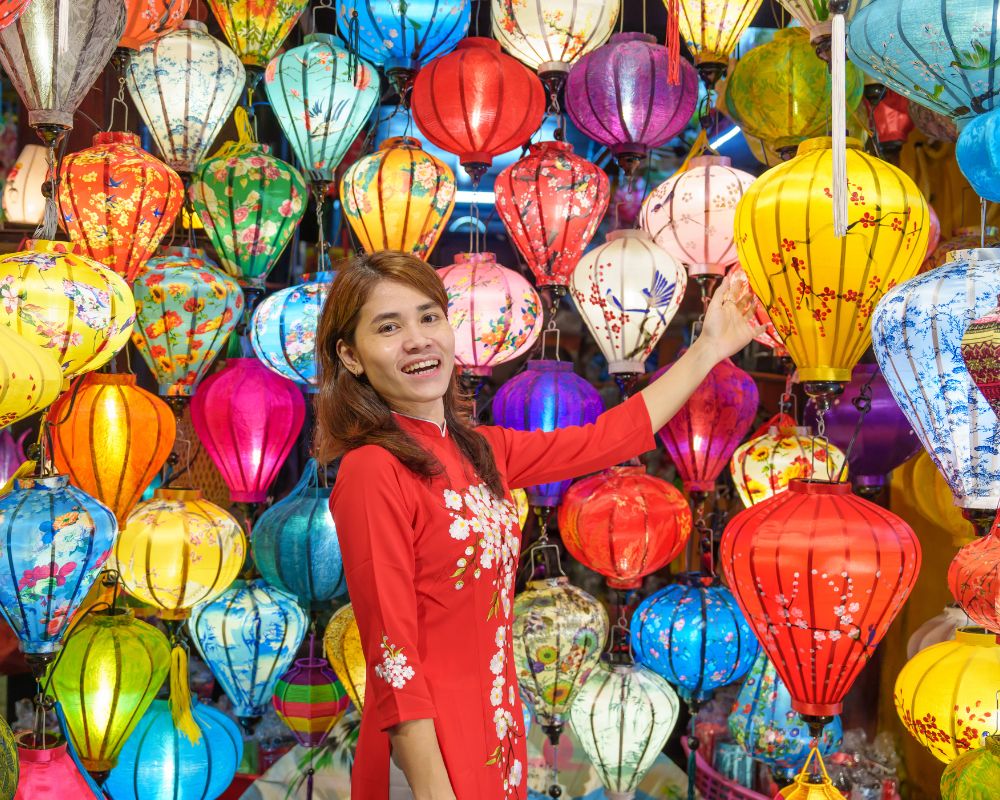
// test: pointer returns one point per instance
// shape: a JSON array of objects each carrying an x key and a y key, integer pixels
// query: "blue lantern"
[
  {"x": 283, "y": 332},
  {"x": 978, "y": 154},
  {"x": 295, "y": 544},
  {"x": 546, "y": 396},
  {"x": 248, "y": 636},
  {"x": 693, "y": 634},
  {"x": 158, "y": 762},
  {"x": 917, "y": 330},
  {"x": 763, "y": 723},
  {"x": 55, "y": 540}
]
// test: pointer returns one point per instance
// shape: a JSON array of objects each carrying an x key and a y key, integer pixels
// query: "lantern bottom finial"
[
  {"x": 99, "y": 775},
  {"x": 823, "y": 392},
  {"x": 39, "y": 663},
  {"x": 982, "y": 519},
  {"x": 711, "y": 72},
  {"x": 249, "y": 724}
]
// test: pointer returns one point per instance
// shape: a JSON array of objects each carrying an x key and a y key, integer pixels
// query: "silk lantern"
[
  {"x": 939, "y": 628},
  {"x": 50, "y": 772},
  {"x": 10, "y": 10},
  {"x": 248, "y": 636},
  {"x": 30, "y": 378},
  {"x": 23, "y": 201},
  {"x": 974, "y": 580},
  {"x": 495, "y": 312},
  {"x": 148, "y": 19},
  {"x": 627, "y": 291},
  {"x": 551, "y": 202},
  {"x": 342, "y": 645},
  {"x": 619, "y": 96},
  {"x": 820, "y": 290},
  {"x": 255, "y": 30},
  {"x": 812, "y": 783},
  {"x": 973, "y": 775},
  {"x": 477, "y": 103},
  {"x": 892, "y": 124},
  {"x": 711, "y": 30},
  {"x": 248, "y": 419},
  {"x": 11, "y": 449},
  {"x": 177, "y": 550},
  {"x": 187, "y": 308},
  {"x": 77, "y": 309},
  {"x": 547, "y": 395},
  {"x": 701, "y": 437},
  {"x": 398, "y": 198},
  {"x": 931, "y": 124},
  {"x": 814, "y": 16},
  {"x": 310, "y": 700},
  {"x": 185, "y": 85},
  {"x": 934, "y": 500},
  {"x": 111, "y": 437},
  {"x": 118, "y": 201},
  {"x": 820, "y": 574},
  {"x": 978, "y": 154},
  {"x": 9, "y": 767},
  {"x": 624, "y": 524},
  {"x": 967, "y": 237}
]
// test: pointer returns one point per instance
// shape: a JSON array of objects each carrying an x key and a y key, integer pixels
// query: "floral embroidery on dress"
[{"x": 393, "y": 670}]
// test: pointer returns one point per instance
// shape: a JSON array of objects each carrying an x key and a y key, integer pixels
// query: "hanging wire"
[
  {"x": 863, "y": 403},
  {"x": 117, "y": 102}
]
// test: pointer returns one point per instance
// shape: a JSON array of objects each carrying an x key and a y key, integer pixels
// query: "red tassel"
[{"x": 673, "y": 43}]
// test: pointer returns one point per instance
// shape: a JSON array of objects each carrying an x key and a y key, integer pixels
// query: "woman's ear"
[{"x": 349, "y": 358}]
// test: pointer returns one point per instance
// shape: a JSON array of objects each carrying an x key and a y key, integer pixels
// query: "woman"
[{"x": 428, "y": 530}]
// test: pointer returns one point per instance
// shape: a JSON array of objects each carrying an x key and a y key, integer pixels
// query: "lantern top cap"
[
  {"x": 478, "y": 42},
  {"x": 549, "y": 365},
  {"x": 39, "y": 755},
  {"x": 111, "y": 378},
  {"x": 801, "y": 486},
  {"x": 548, "y": 583},
  {"x": 324, "y": 276},
  {"x": 825, "y": 143},
  {"x": 535, "y": 148},
  {"x": 43, "y": 482},
  {"x": 52, "y": 246},
  {"x": 189, "y": 495},
  {"x": 628, "y": 233},
  {"x": 116, "y": 137},
  {"x": 976, "y": 254},
  {"x": 626, "y": 470},
  {"x": 312, "y": 663},
  {"x": 475, "y": 258},
  {"x": 406, "y": 142},
  {"x": 193, "y": 25},
  {"x": 976, "y": 637},
  {"x": 709, "y": 161},
  {"x": 185, "y": 252},
  {"x": 632, "y": 36}
]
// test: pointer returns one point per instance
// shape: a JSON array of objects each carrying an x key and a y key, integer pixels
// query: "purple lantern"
[
  {"x": 546, "y": 396},
  {"x": 11, "y": 454},
  {"x": 619, "y": 96},
  {"x": 885, "y": 439}
]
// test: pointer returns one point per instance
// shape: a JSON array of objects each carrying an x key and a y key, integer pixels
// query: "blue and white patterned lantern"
[{"x": 917, "y": 330}]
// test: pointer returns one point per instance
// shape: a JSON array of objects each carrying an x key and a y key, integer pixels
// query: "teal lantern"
[
  {"x": 978, "y": 154},
  {"x": 322, "y": 95},
  {"x": 295, "y": 543},
  {"x": 248, "y": 636}
]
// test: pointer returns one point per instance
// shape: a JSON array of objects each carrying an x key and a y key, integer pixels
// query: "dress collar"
[{"x": 420, "y": 425}]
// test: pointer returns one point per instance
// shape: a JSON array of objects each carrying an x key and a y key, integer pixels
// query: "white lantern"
[
  {"x": 23, "y": 202},
  {"x": 939, "y": 628}
]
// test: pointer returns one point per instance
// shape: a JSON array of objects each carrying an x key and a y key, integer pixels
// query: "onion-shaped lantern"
[
  {"x": 551, "y": 202},
  {"x": 23, "y": 201},
  {"x": 185, "y": 85},
  {"x": 820, "y": 574},
  {"x": 939, "y": 628},
  {"x": 619, "y": 96},
  {"x": 546, "y": 396},
  {"x": 624, "y": 524},
  {"x": 78, "y": 310},
  {"x": 248, "y": 636},
  {"x": 187, "y": 308},
  {"x": 627, "y": 291},
  {"x": 255, "y": 31},
  {"x": 974, "y": 580},
  {"x": 398, "y": 198},
  {"x": 310, "y": 700},
  {"x": 496, "y": 313},
  {"x": 30, "y": 378},
  {"x": 342, "y": 645},
  {"x": 148, "y": 19},
  {"x": 48, "y": 771},
  {"x": 118, "y": 201},
  {"x": 973, "y": 775}
]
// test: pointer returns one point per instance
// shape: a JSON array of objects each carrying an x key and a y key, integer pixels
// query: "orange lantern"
[{"x": 146, "y": 20}]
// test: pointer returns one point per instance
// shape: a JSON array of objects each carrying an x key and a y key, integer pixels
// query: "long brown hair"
[{"x": 349, "y": 412}]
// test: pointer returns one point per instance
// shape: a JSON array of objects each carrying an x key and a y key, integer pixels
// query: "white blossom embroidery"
[{"x": 393, "y": 670}]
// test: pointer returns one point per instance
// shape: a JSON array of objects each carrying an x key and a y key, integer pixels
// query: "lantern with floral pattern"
[
  {"x": 30, "y": 378},
  {"x": 23, "y": 201},
  {"x": 148, "y": 19},
  {"x": 974, "y": 580},
  {"x": 973, "y": 773},
  {"x": 711, "y": 30},
  {"x": 255, "y": 29}
]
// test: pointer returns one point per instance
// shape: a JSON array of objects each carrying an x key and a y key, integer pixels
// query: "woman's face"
[{"x": 405, "y": 346}]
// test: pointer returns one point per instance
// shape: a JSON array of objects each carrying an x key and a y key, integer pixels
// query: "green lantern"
[
  {"x": 9, "y": 764},
  {"x": 974, "y": 775},
  {"x": 110, "y": 670}
]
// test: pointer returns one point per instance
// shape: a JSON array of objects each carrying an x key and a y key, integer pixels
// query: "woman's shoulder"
[{"x": 366, "y": 467}]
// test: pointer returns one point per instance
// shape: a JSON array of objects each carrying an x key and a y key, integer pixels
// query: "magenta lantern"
[{"x": 248, "y": 419}]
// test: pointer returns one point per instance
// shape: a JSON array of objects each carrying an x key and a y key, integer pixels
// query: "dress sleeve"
[
  {"x": 529, "y": 458},
  {"x": 375, "y": 527}
]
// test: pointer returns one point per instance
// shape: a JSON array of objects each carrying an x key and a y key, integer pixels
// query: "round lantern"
[
  {"x": 627, "y": 291},
  {"x": 934, "y": 500},
  {"x": 111, "y": 437},
  {"x": 711, "y": 31},
  {"x": 186, "y": 309},
  {"x": 693, "y": 634},
  {"x": 917, "y": 337},
  {"x": 619, "y": 95},
  {"x": 185, "y": 85},
  {"x": 946, "y": 694},
  {"x": 248, "y": 636},
  {"x": 47, "y": 772},
  {"x": 939, "y": 628},
  {"x": 23, "y": 201},
  {"x": 820, "y": 574},
  {"x": 808, "y": 785},
  {"x": 255, "y": 31},
  {"x": 477, "y": 103},
  {"x": 178, "y": 550},
  {"x": 118, "y": 201},
  {"x": 702, "y": 435},
  {"x": 624, "y": 524},
  {"x": 109, "y": 671},
  {"x": 74, "y": 307},
  {"x": 342, "y": 645},
  {"x": 310, "y": 700},
  {"x": 495, "y": 312},
  {"x": 551, "y": 202},
  {"x": 623, "y": 716},
  {"x": 559, "y": 632},
  {"x": 148, "y": 19},
  {"x": 978, "y": 154},
  {"x": 248, "y": 419},
  {"x": 974, "y": 580},
  {"x": 820, "y": 290},
  {"x": 30, "y": 378},
  {"x": 398, "y": 198},
  {"x": 973, "y": 775},
  {"x": 283, "y": 333},
  {"x": 9, "y": 767},
  {"x": 690, "y": 215},
  {"x": 892, "y": 124},
  {"x": 322, "y": 96},
  {"x": 962, "y": 238},
  {"x": 934, "y": 126},
  {"x": 295, "y": 544},
  {"x": 159, "y": 762},
  {"x": 546, "y": 396}
]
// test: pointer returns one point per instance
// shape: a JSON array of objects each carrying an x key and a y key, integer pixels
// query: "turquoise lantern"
[
  {"x": 295, "y": 543},
  {"x": 978, "y": 154},
  {"x": 158, "y": 762},
  {"x": 248, "y": 636}
]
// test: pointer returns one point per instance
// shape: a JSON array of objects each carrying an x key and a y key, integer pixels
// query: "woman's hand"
[{"x": 729, "y": 323}]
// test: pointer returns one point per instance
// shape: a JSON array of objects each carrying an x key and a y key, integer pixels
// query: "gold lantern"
[
  {"x": 30, "y": 377},
  {"x": 342, "y": 644},
  {"x": 711, "y": 29}
]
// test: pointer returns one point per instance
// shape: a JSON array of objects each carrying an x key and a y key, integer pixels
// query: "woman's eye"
[
  {"x": 431, "y": 317},
  {"x": 389, "y": 327}
]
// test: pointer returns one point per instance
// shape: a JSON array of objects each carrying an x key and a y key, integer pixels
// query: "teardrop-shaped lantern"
[
  {"x": 30, "y": 377},
  {"x": 310, "y": 700},
  {"x": 551, "y": 202},
  {"x": 711, "y": 31},
  {"x": 148, "y": 19},
  {"x": 256, "y": 30},
  {"x": 185, "y": 85},
  {"x": 974, "y": 580},
  {"x": 342, "y": 645},
  {"x": 50, "y": 771},
  {"x": 23, "y": 201},
  {"x": 973, "y": 775}
]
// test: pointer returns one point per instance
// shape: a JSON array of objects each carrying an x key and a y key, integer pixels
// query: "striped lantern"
[
  {"x": 30, "y": 378},
  {"x": 148, "y": 19},
  {"x": 974, "y": 580},
  {"x": 256, "y": 30},
  {"x": 310, "y": 700}
]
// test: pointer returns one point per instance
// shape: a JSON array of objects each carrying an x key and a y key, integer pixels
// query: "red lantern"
[
  {"x": 146, "y": 20},
  {"x": 477, "y": 102},
  {"x": 624, "y": 524},
  {"x": 551, "y": 202},
  {"x": 118, "y": 201},
  {"x": 974, "y": 580},
  {"x": 820, "y": 574},
  {"x": 892, "y": 124}
]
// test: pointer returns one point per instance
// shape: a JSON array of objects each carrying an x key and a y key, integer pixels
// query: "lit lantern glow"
[
  {"x": 23, "y": 201},
  {"x": 255, "y": 29},
  {"x": 30, "y": 378},
  {"x": 711, "y": 30},
  {"x": 342, "y": 645}
]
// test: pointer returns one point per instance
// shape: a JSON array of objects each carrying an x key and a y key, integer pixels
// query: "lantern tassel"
[
  {"x": 180, "y": 695},
  {"x": 63, "y": 36},
  {"x": 838, "y": 64},
  {"x": 673, "y": 43}
]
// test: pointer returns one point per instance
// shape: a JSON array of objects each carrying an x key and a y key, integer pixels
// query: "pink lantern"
[
  {"x": 248, "y": 419},
  {"x": 49, "y": 772}
]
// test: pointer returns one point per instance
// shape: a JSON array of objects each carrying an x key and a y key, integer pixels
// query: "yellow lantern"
[
  {"x": 820, "y": 290},
  {"x": 807, "y": 786},
  {"x": 342, "y": 644},
  {"x": 933, "y": 498},
  {"x": 521, "y": 501},
  {"x": 814, "y": 16},
  {"x": 946, "y": 694},
  {"x": 711, "y": 29},
  {"x": 30, "y": 377},
  {"x": 178, "y": 550}
]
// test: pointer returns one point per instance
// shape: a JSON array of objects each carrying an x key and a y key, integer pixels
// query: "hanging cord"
[
  {"x": 555, "y": 790},
  {"x": 319, "y": 195},
  {"x": 820, "y": 439},
  {"x": 353, "y": 45},
  {"x": 692, "y": 765},
  {"x": 619, "y": 644},
  {"x": 119, "y": 102},
  {"x": 705, "y": 544},
  {"x": 982, "y": 222},
  {"x": 50, "y": 220},
  {"x": 863, "y": 403}
]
